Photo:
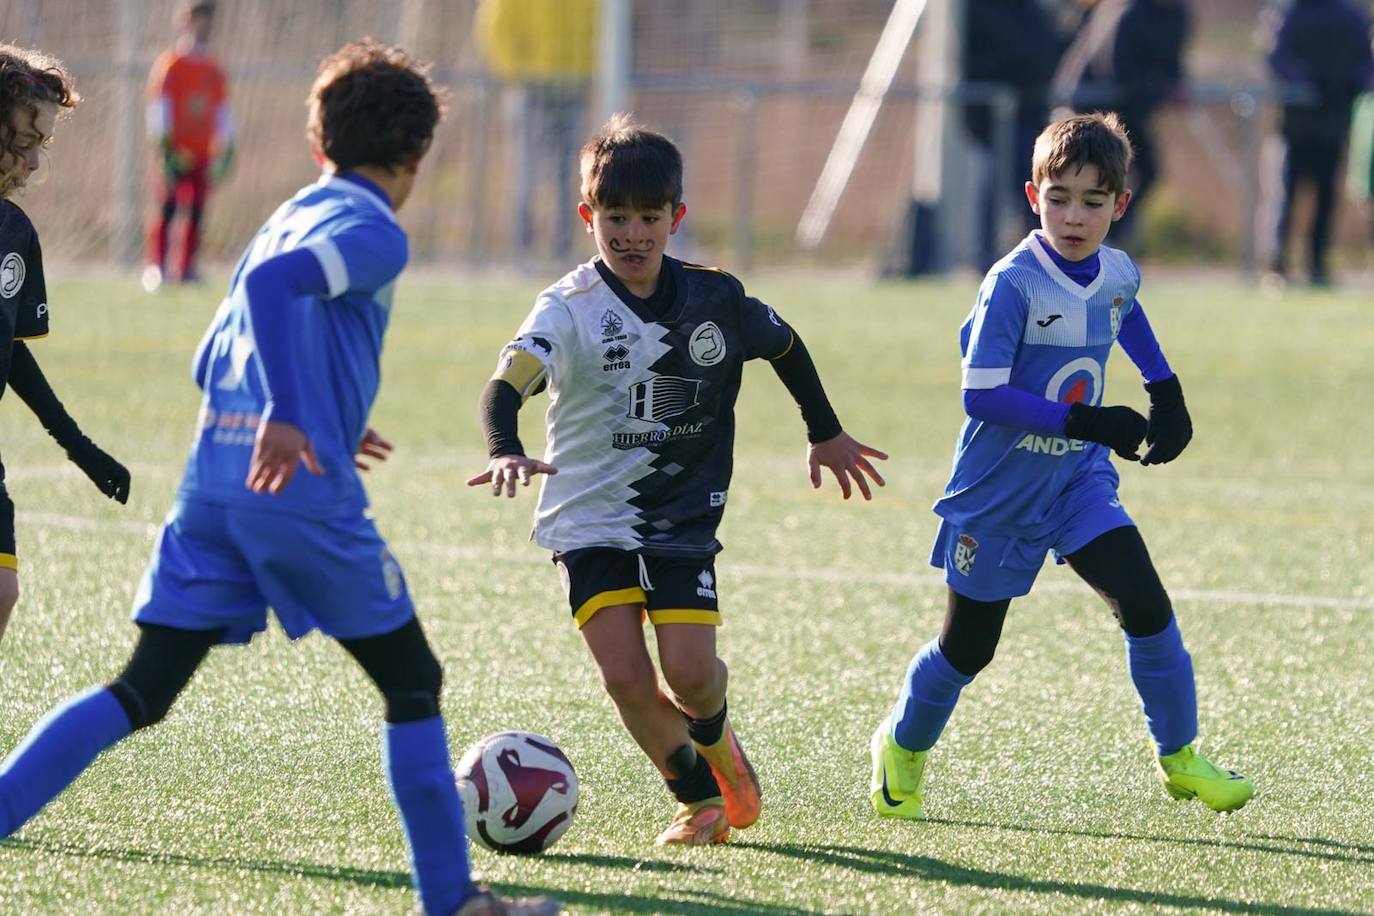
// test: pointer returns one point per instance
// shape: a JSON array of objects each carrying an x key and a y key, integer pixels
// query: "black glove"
[
  {"x": 110, "y": 477},
  {"x": 1118, "y": 428},
  {"x": 1170, "y": 428}
]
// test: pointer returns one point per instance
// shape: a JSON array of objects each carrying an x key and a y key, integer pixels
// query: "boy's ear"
[
  {"x": 678, "y": 213},
  {"x": 585, "y": 211},
  {"x": 1119, "y": 208},
  {"x": 1033, "y": 196}
]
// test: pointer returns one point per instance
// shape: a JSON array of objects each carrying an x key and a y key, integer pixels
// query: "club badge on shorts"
[{"x": 964, "y": 553}]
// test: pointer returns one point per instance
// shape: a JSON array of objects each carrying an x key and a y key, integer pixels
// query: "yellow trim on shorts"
[
  {"x": 632, "y": 595},
  {"x": 9, "y": 561},
  {"x": 685, "y": 615},
  {"x": 33, "y": 336}
]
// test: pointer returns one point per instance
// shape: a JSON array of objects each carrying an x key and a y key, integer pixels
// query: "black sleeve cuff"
[
  {"x": 798, "y": 373},
  {"x": 499, "y": 410}
]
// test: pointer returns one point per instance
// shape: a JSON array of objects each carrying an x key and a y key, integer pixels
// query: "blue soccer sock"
[
  {"x": 928, "y": 696},
  {"x": 55, "y": 752},
  {"x": 1163, "y": 674},
  {"x": 415, "y": 758}
]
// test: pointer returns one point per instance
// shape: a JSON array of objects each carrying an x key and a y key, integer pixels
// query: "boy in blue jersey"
[
  {"x": 1032, "y": 474},
  {"x": 289, "y": 370}
]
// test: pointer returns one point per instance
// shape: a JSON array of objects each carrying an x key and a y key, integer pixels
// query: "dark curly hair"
[
  {"x": 372, "y": 104},
  {"x": 27, "y": 79}
]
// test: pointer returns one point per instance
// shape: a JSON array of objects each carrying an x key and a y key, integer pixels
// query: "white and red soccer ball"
[{"x": 519, "y": 792}]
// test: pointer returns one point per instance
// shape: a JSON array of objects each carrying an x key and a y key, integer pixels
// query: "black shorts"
[
  {"x": 8, "y": 560},
  {"x": 671, "y": 589}
]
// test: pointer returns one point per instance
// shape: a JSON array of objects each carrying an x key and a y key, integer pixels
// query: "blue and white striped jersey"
[
  {"x": 350, "y": 228},
  {"x": 1036, "y": 329}
]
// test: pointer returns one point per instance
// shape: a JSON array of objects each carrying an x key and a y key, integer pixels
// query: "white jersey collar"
[{"x": 1037, "y": 248}]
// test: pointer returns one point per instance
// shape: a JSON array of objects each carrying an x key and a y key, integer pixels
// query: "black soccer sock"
[
  {"x": 694, "y": 781},
  {"x": 707, "y": 732}
]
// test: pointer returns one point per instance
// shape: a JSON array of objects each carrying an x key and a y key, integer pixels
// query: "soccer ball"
[{"x": 519, "y": 792}]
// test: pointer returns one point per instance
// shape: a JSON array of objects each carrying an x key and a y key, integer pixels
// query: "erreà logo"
[
  {"x": 662, "y": 397},
  {"x": 11, "y": 275}
]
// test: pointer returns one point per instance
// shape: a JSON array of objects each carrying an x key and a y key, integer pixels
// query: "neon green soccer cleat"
[
  {"x": 1187, "y": 774},
  {"x": 895, "y": 789}
]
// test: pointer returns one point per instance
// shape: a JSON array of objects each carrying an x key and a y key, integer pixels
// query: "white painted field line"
[{"x": 528, "y": 554}]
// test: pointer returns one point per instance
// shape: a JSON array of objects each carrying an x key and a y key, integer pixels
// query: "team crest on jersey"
[
  {"x": 707, "y": 345},
  {"x": 611, "y": 325},
  {"x": 391, "y": 575},
  {"x": 1116, "y": 315},
  {"x": 11, "y": 275},
  {"x": 663, "y": 397},
  {"x": 965, "y": 552}
]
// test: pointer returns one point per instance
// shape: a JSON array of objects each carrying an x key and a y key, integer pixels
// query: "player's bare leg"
[
  {"x": 615, "y": 637},
  {"x": 9, "y": 595},
  {"x": 697, "y": 679}
]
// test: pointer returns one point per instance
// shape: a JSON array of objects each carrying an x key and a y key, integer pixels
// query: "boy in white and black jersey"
[
  {"x": 642, "y": 356},
  {"x": 35, "y": 90}
]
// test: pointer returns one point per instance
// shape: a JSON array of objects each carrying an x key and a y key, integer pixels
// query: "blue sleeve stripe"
[
  {"x": 332, "y": 263},
  {"x": 986, "y": 378}
]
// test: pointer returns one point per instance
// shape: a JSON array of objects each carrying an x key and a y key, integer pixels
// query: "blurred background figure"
[
  {"x": 1127, "y": 57},
  {"x": 1013, "y": 42},
  {"x": 190, "y": 125},
  {"x": 1361, "y": 167},
  {"x": 1320, "y": 48},
  {"x": 544, "y": 50}
]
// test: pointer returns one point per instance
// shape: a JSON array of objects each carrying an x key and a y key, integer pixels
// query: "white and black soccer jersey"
[
  {"x": 23, "y": 293},
  {"x": 1034, "y": 328},
  {"x": 642, "y": 393}
]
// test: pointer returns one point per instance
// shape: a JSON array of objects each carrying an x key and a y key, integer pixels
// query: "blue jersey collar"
[{"x": 368, "y": 188}]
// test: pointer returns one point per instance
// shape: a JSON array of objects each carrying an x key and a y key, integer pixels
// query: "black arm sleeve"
[
  {"x": 798, "y": 374},
  {"x": 27, "y": 381},
  {"x": 499, "y": 411}
]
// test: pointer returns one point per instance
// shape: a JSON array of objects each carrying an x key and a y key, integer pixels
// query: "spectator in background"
[
  {"x": 190, "y": 124},
  {"x": 545, "y": 51},
  {"x": 1128, "y": 57},
  {"x": 1013, "y": 42},
  {"x": 1320, "y": 47},
  {"x": 1361, "y": 171}
]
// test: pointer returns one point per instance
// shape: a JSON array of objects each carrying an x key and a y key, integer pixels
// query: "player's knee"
[
  {"x": 9, "y": 595},
  {"x": 630, "y": 682},
  {"x": 690, "y": 678},
  {"x": 144, "y": 707},
  {"x": 1147, "y": 618},
  {"x": 415, "y": 696},
  {"x": 968, "y": 658}
]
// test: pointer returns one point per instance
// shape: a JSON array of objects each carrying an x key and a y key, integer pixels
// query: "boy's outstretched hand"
[
  {"x": 373, "y": 446},
  {"x": 277, "y": 450},
  {"x": 846, "y": 457},
  {"x": 504, "y": 471}
]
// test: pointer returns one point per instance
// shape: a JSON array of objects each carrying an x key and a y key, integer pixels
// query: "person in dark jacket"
[
  {"x": 1127, "y": 57},
  {"x": 1013, "y": 42},
  {"x": 1320, "y": 49}
]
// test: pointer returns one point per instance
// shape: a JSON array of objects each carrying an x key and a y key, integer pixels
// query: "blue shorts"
[
  {"x": 222, "y": 566},
  {"x": 987, "y": 567}
]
